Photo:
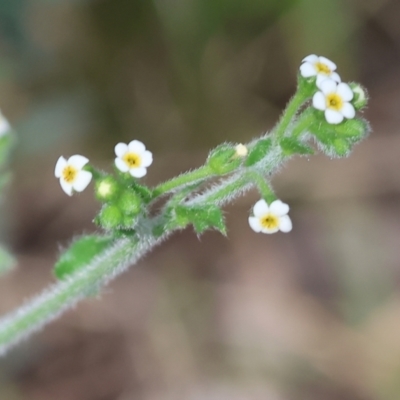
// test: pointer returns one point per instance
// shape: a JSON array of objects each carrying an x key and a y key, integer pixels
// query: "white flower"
[
  {"x": 71, "y": 175},
  {"x": 4, "y": 125},
  {"x": 241, "y": 150},
  {"x": 270, "y": 218},
  {"x": 334, "y": 98},
  {"x": 320, "y": 67},
  {"x": 133, "y": 157}
]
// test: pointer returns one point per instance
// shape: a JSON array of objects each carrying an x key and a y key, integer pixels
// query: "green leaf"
[
  {"x": 258, "y": 152},
  {"x": 202, "y": 218},
  {"x": 145, "y": 193},
  {"x": 293, "y": 146},
  {"x": 80, "y": 254},
  {"x": 338, "y": 140},
  {"x": 7, "y": 261}
]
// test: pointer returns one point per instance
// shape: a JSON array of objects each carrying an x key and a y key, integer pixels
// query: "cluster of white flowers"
[
  {"x": 333, "y": 96},
  {"x": 132, "y": 157}
]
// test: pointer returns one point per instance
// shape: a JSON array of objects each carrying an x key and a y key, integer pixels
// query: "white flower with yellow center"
[
  {"x": 133, "y": 158},
  {"x": 334, "y": 98},
  {"x": 270, "y": 218},
  {"x": 72, "y": 176},
  {"x": 4, "y": 125},
  {"x": 320, "y": 67}
]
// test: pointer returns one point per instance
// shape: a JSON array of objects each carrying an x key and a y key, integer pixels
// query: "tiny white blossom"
[
  {"x": 71, "y": 175},
  {"x": 334, "y": 98},
  {"x": 241, "y": 150},
  {"x": 133, "y": 158},
  {"x": 320, "y": 67},
  {"x": 270, "y": 218},
  {"x": 4, "y": 125}
]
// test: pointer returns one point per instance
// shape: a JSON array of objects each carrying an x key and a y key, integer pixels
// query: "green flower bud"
[
  {"x": 110, "y": 217},
  {"x": 130, "y": 203},
  {"x": 106, "y": 188},
  {"x": 360, "y": 99},
  {"x": 223, "y": 159}
]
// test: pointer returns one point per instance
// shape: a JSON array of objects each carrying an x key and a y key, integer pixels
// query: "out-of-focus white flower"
[
  {"x": 270, "y": 218},
  {"x": 320, "y": 67},
  {"x": 334, "y": 98},
  {"x": 133, "y": 158},
  {"x": 72, "y": 176},
  {"x": 241, "y": 150},
  {"x": 4, "y": 125}
]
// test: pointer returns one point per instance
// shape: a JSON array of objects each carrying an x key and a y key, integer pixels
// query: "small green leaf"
[
  {"x": 293, "y": 146},
  {"x": 202, "y": 218},
  {"x": 258, "y": 152},
  {"x": 80, "y": 254},
  {"x": 145, "y": 193}
]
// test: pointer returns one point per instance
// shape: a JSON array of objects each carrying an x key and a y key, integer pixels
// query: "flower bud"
[
  {"x": 360, "y": 99},
  {"x": 110, "y": 217},
  {"x": 106, "y": 188},
  {"x": 223, "y": 159},
  {"x": 130, "y": 203}
]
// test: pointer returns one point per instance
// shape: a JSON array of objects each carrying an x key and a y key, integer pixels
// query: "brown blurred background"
[{"x": 310, "y": 315}]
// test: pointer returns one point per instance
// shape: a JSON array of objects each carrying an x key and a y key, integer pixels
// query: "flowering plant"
[{"x": 322, "y": 115}]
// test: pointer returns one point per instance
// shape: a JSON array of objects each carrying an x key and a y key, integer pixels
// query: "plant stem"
[
  {"x": 294, "y": 104},
  {"x": 182, "y": 180},
  {"x": 305, "y": 120},
  {"x": 265, "y": 190}
]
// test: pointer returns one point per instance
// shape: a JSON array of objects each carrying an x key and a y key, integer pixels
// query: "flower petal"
[
  {"x": 121, "y": 165},
  {"x": 120, "y": 149},
  {"x": 138, "y": 172},
  {"x": 328, "y": 86},
  {"x": 260, "y": 208},
  {"x": 269, "y": 230},
  {"x": 67, "y": 187},
  {"x": 333, "y": 117},
  {"x": 330, "y": 64},
  {"x": 343, "y": 90},
  {"x": 136, "y": 147},
  {"x": 335, "y": 76},
  {"x": 78, "y": 161},
  {"x": 254, "y": 223},
  {"x": 319, "y": 101},
  {"x": 147, "y": 158},
  {"x": 285, "y": 223},
  {"x": 348, "y": 110},
  {"x": 312, "y": 58},
  {"x": 82, "y": 180},
  {"x": 279, "y": 208},
  {"x": 307, "y": 70},
  {"x": 60, "y": 165}
]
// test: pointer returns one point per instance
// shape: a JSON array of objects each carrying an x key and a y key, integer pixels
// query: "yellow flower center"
[
  {"x": 69, "y": 174},
  {"x": 334, "y": 101},
  {"x": 132, "y": 160},
  {"x": 269, "y": 221},
  {"x": 323, "y": 68}
]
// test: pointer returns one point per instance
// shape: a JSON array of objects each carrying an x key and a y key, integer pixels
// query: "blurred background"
[{"x": 310, "y": 315}]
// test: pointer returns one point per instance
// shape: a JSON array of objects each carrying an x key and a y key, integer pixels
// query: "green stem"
[
  {"x": 295, "y": 103},
  {"x": 182, "y": 180},
  {"x": 65, "y": 294},
  {"x": 304, "y": 122},
  {"x": 265, "y": 190}
]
